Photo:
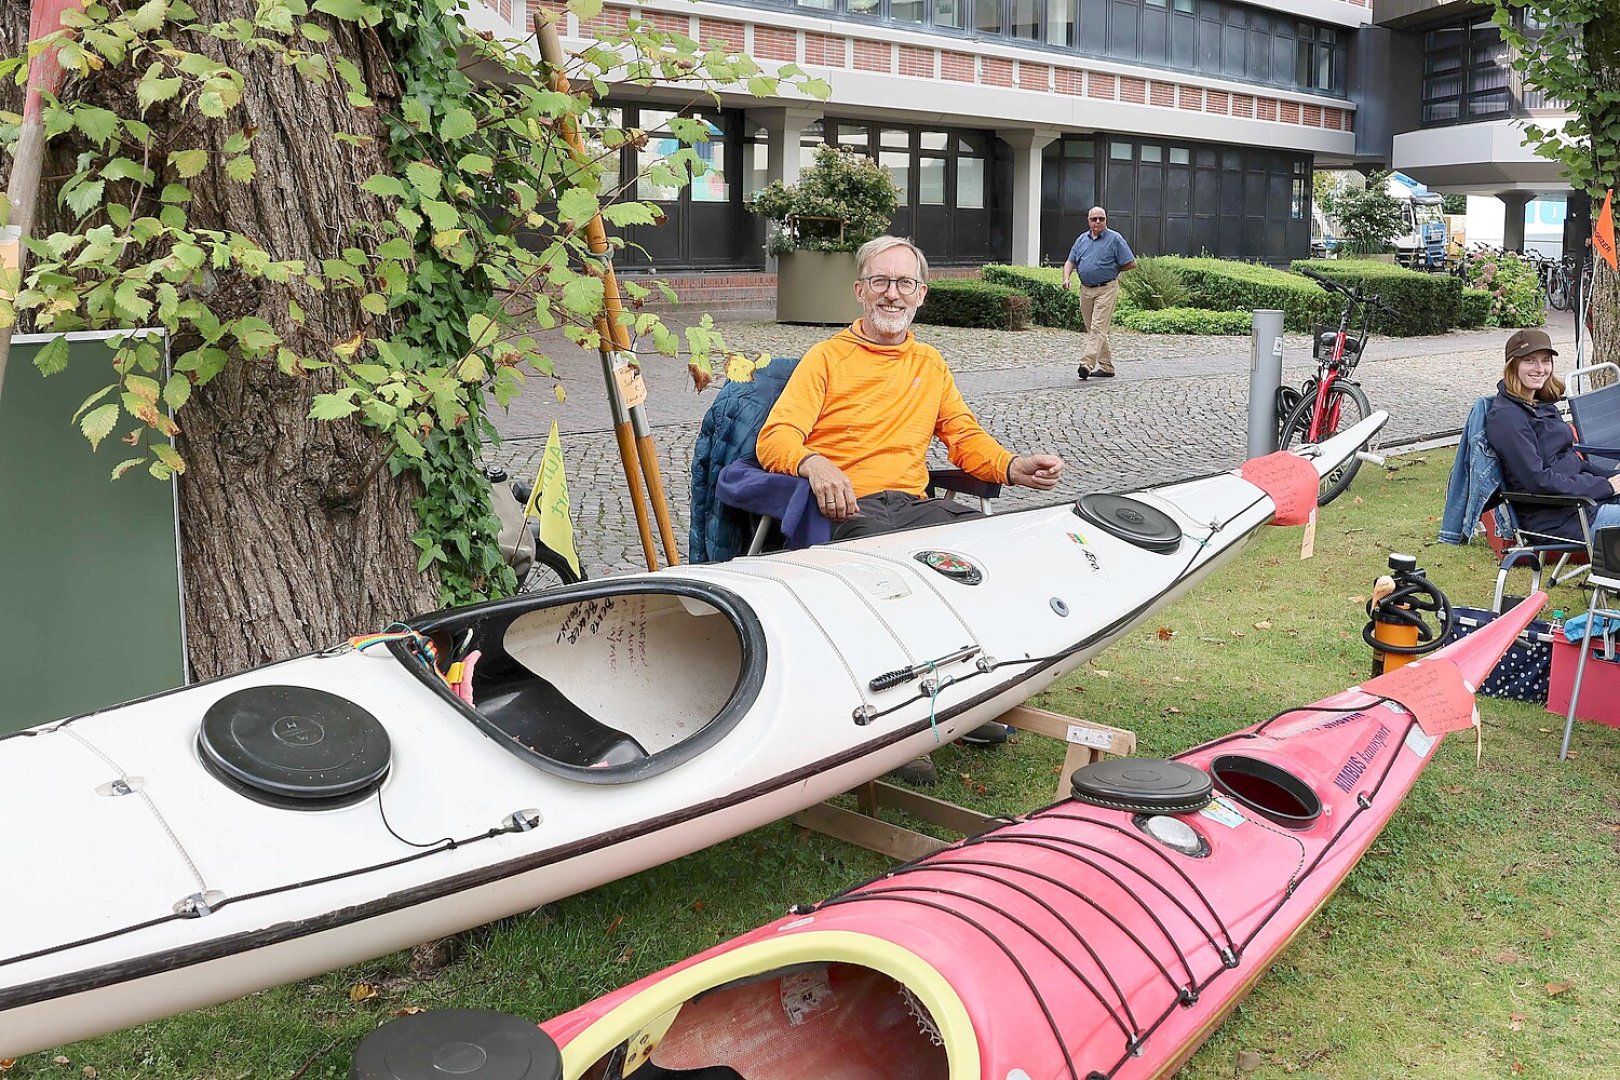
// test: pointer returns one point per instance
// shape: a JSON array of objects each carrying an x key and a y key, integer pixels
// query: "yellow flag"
[{"x": 549, "y": 502}]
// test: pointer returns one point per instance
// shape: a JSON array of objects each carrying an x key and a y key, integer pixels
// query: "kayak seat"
[{"x": 537, "y": 715}]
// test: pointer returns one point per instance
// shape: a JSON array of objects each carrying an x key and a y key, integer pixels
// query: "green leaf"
[
  {"x": 441, "y": 214},
  {"x": 53, "y": 358},
  {"x": 409, "y": 444},
  {"x": 583, "y": 295},
  {"x": 121, "y": 168},
  {"x": 577, "y": 206},
  {"x": 149, "y": 16},
  {"x": 478, "y": 164},
  {"x": 375, "y": 303},
  {"x": 332, "y": 406},
  {"x": 397, "y": 248},
  {"x": 169, "y": 456},
  {"x": 129, "y": 302},
  {"x": 154, "y": 87},
  {"x": 189, "y": 163},
  {"x": 240, "y": 169},
  {"x": 458, "y": 123},
  {"x": 177, "y": 391},
  {"x": 315, "y": 32},
  {"x": 92, "y": 399},
  {"x": 630, "y": 213},
  {"x": 99, "y": 424},
  {"x": 425, "y": 179},
  {"x": 85, "y": 197},
  {"x": 384, "y": 185},
  {"x": 98, "y": 125},
  {"x": 127, "y": 464},
  {"x": 585, "y": 9}
]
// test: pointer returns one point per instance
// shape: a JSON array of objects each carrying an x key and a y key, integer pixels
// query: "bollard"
[{"x": 1265, "y": 376}]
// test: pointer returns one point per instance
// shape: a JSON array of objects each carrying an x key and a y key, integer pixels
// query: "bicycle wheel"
[
  {"x": 1558, "y": 289},
  {"x": 1352, "y": 407},
  {"x": 548, "y": 570}
]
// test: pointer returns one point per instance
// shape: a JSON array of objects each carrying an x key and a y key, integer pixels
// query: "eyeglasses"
[
  {"x": 1097, "y": 219},
  {"x": 904, "y": 285}
]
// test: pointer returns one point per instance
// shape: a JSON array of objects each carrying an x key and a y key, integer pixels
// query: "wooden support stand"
[{"x": 1087, "y": 742}]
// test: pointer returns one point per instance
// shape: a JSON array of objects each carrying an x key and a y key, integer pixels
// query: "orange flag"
[{"x": 1603, "y": 232}]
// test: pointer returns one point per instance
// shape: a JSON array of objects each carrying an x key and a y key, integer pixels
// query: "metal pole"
[
  {"x": 1265, "y": 376},
  {"x": 630, "y": 428}
]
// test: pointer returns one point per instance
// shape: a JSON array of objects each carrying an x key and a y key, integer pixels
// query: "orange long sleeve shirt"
[{"x": 872, "y": 410}]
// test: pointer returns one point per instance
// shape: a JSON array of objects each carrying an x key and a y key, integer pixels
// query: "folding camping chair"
[{"x": 1605, "y": 584}]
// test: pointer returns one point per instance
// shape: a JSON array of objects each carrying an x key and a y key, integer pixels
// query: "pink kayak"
[{"x": 1103, "y": 937}]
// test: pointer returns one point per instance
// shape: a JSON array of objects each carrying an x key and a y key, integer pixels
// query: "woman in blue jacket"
[{"x": 1535, "y": 445}]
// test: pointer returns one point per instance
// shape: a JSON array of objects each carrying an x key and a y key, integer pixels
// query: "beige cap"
[{"x": 1525, "y": 342}]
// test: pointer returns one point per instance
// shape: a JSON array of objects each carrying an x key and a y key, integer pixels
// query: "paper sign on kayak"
[
  {"x": 1440, "y": 699},
  {"x": 1290, "y": 480}
]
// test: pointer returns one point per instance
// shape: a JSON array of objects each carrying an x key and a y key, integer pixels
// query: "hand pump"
[
  {"x": 44, "y": 77},
  {"x": 629, "y": 420}
]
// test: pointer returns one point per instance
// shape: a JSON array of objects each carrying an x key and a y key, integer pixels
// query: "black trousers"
[{"x": 891, "y": 511}]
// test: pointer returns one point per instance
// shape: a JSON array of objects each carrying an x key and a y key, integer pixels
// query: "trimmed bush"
[
  {"x": 1153, "y": 286},
  {"x": 1184, "y": 320},
  {"x": 1474, "y": 309},
  {"x": 1224, "y": 285},
  {"x": 969, "y": 302},
  {"x": 1424, "y": 303},
  {"x": 1050, "y": 303}
]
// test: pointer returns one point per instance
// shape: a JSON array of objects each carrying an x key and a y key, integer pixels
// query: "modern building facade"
[
  {"x": 1195, "y": 122},
  {"x": 1451, "y": 112}
]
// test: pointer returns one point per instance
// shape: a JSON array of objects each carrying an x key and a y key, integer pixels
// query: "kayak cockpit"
[
  {"x": 812, "y": 1021},
  {"x": 608, "y": 682}
]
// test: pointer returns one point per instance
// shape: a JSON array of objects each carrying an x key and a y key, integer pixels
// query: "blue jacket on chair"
[
  {"x": 1476, "y": 475},
  {"x": 728, "y": 433}
]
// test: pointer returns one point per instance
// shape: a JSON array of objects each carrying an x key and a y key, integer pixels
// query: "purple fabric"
[{"x": 746, "y": 486}]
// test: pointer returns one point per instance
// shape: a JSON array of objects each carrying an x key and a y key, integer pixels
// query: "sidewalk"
[{"x": 1179, "y": 407}]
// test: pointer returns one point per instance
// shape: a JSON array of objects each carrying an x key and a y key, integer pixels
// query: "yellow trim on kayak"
[{"x": 830, "y": 946}]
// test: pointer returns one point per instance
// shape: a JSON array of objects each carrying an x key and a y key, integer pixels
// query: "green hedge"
[
  {"x": 1184, "y": 320},
  {"x": 1474, "y": 309},
  {"x": 1424, "y": 303},
  {"x": 1224, "y": 285},
  {"x": 969, "y": 302},
  {"x": 1050, "y": 303}
]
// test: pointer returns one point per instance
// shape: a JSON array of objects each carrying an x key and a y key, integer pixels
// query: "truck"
[{"x": 1423, "y": 245}]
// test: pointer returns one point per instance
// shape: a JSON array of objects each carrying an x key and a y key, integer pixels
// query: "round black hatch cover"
[
  {"x": 466, "y": 1044},
  {"x": 294, "y": 743},
  {"x": 1142, "y": 785},
  {"x": 1132, "y": 520}
]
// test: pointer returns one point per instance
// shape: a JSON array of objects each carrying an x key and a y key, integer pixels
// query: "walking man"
[{"x": 1099, "y": 256}]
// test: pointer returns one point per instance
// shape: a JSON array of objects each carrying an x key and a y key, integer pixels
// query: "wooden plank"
[
  {"x": 1100, "y": 737},
  {"x": 938, "y": 811},
  {"x": 867, "y": 832}
]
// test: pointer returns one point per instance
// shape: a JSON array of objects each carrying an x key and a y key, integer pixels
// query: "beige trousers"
[{"x": 1097, "y": 309}]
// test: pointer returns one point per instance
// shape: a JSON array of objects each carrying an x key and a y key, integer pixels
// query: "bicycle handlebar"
[{"x": 1353, "y": 293}]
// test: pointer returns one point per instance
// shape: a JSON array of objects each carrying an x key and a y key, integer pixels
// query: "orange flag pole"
[{"x": 630, "y": 428}]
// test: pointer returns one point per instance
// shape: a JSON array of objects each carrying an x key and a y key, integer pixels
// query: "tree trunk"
[
  {"x": 1602, "y": 53},
  {"x": 292, "y": 532}
]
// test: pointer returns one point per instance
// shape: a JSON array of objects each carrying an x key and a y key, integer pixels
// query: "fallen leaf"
[
  {"x": 700, "y": 378},
  {"x": 1263, "y": 624},
  {"x": 409, "y": 1010},
  {"x": 1238, "y": 633},
  {"x": 6, "y": 1064},
  {"x": 1172, "y": 711},
  {"x": 560, "y": 394},
  {"x": 1515, "y": 1021},
  {"x": 60, "y": 1059},
  {"x": 89, "y": 1072},
  {"x": 613, "y": 927},
  {"x": 1554, "y": 989},
  {"x": 1102, "y": 673},
  {"x": 1247, "y": 1061},
  {"x": 1517, "y": 1066},
  {"x": 1165, "y": 633},
  {"x": 1508, "y": 957},
  {"x": 1357, "y": 599},
  {"x": 698, "y": 905},
  {"x": 362, "y": 991}
]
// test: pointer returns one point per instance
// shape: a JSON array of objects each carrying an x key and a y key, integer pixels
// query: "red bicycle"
[{"x": 1331, "y": 400}]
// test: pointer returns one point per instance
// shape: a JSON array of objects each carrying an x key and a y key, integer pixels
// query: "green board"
[{"x": 89, "y": 567}]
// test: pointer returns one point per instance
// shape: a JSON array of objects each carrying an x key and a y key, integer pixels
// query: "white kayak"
[{"x": 204, "y": 843}]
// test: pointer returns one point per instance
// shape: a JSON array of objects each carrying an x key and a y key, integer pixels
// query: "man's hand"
[
  {"x": 1039, "y": 471},
  {"x": 1065, "y": 284},
  {"x": 832, "y": 489},
  {"x": 1614, "y": 483}
]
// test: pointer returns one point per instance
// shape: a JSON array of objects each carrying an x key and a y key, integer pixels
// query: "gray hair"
[{"x": 875, "y": 247}]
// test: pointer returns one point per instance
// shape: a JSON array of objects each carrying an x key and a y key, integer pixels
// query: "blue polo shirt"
[{"x": 1098, "y": 261}]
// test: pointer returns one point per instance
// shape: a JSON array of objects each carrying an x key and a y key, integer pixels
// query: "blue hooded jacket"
[
  {"x": 1536, "y": 449},
  {"x": 728, "y": 433}
]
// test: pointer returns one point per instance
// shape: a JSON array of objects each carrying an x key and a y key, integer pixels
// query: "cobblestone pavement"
[{"x": 1179, "y": 407}]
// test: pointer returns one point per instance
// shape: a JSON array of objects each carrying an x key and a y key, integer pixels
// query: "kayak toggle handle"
[
  {"x": 864, "y": 715},
  {"x": 907, "y": 674},
  {"x": 1371, "y": 458}
]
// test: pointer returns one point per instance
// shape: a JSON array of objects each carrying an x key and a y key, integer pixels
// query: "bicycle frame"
[{"x": 1325, "y": 412}]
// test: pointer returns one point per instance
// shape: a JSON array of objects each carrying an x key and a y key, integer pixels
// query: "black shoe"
[
  {"x": 1103, "y": 374},
  {"x": 991, "y": 734},
  {"x": 919, "y": 771},
  {"x": 1083, "y": 371}
]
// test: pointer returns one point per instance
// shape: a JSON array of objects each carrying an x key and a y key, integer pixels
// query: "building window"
[
  {"x": 1319, "y": 58},
  {"x": 1466, "y": 74}
]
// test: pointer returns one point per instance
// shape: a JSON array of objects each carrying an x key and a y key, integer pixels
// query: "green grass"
[{"x": 1493, "y": 884}]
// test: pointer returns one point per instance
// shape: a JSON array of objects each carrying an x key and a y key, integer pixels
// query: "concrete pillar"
[
  {"x": 1514, "y": 203},
  {"x": 1026, "y": 191},
  {"x": 785, "y": 128}
]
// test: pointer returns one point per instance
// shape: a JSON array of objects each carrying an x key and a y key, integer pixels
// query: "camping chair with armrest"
[{"x": 1605, "y": 584}]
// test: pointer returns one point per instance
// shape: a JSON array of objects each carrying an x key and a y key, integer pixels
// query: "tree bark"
[
  {"x": 1602, "y": 54},
  {"x": 292, "y": 533}
]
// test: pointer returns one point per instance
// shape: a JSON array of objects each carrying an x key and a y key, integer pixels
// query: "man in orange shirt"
[{"x": 860, "y": 410}]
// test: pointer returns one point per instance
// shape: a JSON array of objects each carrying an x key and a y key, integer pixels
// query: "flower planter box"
[{"x": 816, "y": 287}]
